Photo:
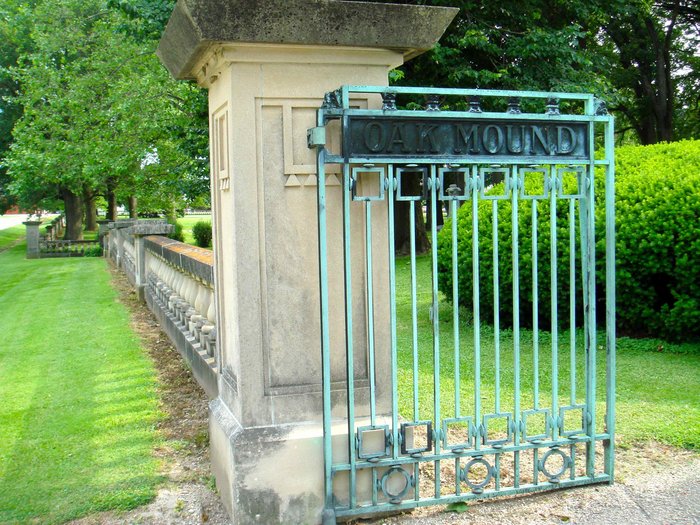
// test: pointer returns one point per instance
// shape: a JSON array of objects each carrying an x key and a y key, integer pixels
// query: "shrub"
[
  {"x": 201, "y": 232},
  {"x": 533, "y": 186},
  {"x": 93, "y": 251},
  {"x": 658, "y": 247},
  {"x": 658, "y": 240},
  {"x": 177, "y": 234}
]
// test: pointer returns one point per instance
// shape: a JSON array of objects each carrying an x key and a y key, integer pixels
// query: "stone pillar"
[
  {"x": 267, "y": 65},
  {"x": 139, "y": 231},
  {"x": 103, "y": 229},
  {"x": 118, "y": 229},
  {"x": 32, "y": 239}
]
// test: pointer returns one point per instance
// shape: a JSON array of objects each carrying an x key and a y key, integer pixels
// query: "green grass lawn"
[
  {"x": 188, "y": 221},
  {"x": 658, "y": 392},
  {"x": 79, "y": 403},
  {"x": 9, "y": 236}
]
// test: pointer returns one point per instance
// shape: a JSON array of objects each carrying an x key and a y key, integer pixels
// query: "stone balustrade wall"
[{"x": 177, "y": 283}]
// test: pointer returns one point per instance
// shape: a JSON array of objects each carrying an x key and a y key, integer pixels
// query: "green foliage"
[
  {"x": 534, "y": 184},
  {"x": 639, "y": 55},
  {"x": 658, "y": 247},
  {"x": 177, "y": 234},
  {"x": 202, "y": 233},
  {"x": 93, "y": 251},
  {"x": 100, "y": 114},
  {"x": 658, "y": 240}
]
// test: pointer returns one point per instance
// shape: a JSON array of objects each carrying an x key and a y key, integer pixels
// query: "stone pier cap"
[{"x": 196, "y": 25}]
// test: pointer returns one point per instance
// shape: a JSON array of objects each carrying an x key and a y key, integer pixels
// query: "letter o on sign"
[
  {"x": 374, "y": 136},
  {"x": 492, "y": 138}
]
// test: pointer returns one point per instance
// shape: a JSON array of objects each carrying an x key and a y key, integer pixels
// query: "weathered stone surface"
[
  {"x": 32, "y": 239},
  {"x": 193, "y": 356},
  {"x": 197, "y": 261},
  {"x": 197, "y": 24}
]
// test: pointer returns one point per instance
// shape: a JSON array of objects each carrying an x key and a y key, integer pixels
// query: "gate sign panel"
[
  {"x": 524, "y": 140},
  {"x": 471, "y": 371}
]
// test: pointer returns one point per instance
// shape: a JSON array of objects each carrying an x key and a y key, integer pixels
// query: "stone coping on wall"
[
  {"x": 196, "y": 25},
  {"x": 197, "y": 261}
]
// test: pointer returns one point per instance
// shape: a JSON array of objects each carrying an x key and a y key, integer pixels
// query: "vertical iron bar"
[
  {"x": 414, "y": 310},
  {"x": 458, "y": 481},
  {"x": 496, "y": 306},
  {"x": 610, "y": 300},
  {"x": 436, "y": 321},
  {"x": 497, "y": 467},
  {"x": 554, "y": 328},
  {"x": 589, "y": 284},
  {"x": 516, "y": 323},
  {"x": 325, "y": 334},
  {"x": 370, "y": 311},
  {"x": 535, "y": 466},
  {"x": 476, "y": 299},
  {"x": 572, "y": 300},
  {"x": 455, "y": 304},
  {"x": 349, "y": 350},
  {"x": 535, "y": 310},
  {"x": 390, "y": 188}
]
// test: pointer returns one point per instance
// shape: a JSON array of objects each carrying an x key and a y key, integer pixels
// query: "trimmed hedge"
[
  {"x": 658, "y": 247},
  {"x": 201, "y": 232}
]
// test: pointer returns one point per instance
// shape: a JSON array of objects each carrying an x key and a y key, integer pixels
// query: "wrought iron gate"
[{"x": 509, "y": 395}]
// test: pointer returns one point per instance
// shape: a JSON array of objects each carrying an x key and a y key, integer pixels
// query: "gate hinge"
[{"x": 316, "y": 137}]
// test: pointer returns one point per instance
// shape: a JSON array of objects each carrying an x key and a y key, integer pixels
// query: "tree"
[
  {"x": 15, "y": 27},
  {"x": 101, "y": 116},
  {"x": 640, "y": 55},
  {"x": 652, "y": 52}
]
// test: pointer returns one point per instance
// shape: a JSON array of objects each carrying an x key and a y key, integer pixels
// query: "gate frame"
[{"x": 337, "y": 107}]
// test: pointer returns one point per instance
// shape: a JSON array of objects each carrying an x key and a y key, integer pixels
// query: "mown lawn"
[
  {"x": 658, "y": 384},
  {"x": 79, "y": 404},
  {"x": 9, "y": 236}
]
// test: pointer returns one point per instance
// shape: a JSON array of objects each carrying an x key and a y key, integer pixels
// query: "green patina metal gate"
[{"x": 500, "y": 400}]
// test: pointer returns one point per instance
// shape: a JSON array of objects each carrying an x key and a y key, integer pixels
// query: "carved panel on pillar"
[
  {"x": 220, "y": 149},
  {"x": 290, "y": 324},
  {"x": 298, "y": 115}
]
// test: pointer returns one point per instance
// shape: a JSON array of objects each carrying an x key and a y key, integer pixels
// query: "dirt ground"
[{"x": 656, "y": 484}]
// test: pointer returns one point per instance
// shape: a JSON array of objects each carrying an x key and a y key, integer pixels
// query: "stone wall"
[{"x": 176, "y": 281}]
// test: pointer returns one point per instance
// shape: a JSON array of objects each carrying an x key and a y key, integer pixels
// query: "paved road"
[{"x": 8, "y": 221}]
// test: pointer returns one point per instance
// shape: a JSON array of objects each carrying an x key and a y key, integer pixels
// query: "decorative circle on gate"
[
  {"x": 477, "y": 488},
  {"x": 390, "y": 478},
  {"x": 565, "y": 463}
]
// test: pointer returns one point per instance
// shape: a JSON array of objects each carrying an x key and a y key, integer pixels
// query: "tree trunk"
[
  {"x": 73, "y": 207},
  {"x": 133, "y": 211},
  {"x": 111, "y": 199},
  {"x": 171, "y": 213},
  {"x": 111, "y": 205},
  {"x": 90, "y": 211},
  {"x": 402, "y": 217}
]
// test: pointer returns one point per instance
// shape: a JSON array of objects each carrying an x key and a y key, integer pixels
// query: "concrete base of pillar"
[
  {"x": 275, "y": 474},
  {"x": 267, "y": 474}
]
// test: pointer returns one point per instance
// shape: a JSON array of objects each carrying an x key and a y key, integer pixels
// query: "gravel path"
[{"x": 661, "y": 490}]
